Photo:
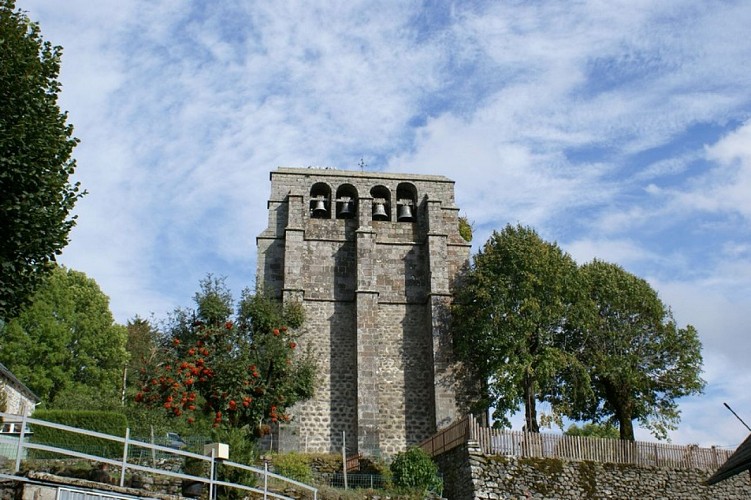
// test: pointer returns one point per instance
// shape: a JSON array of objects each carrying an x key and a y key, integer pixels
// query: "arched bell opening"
[
  {"x": 346, "y": 201},
  {"x": 320, "y": 201},
  {"x": 406, "y": 202},
  {"x": 381, "y": 203}
]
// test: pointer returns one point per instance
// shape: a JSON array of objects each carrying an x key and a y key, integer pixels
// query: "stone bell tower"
[{"x": 371, "y": 257}]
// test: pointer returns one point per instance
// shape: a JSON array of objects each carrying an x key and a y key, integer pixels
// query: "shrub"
[
  {"x": 414, "y": 469},
  {"x": 294, "y": 465},
  {"x": 242, "y": 450}
]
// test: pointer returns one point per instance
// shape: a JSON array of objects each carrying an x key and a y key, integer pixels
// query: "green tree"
[
  {"x": 639, "y": 361},
  {"x": 241, "y": 370},
  {"x": 35, "y": 160},
  {"x": 143, "y": 349},
  {"x": 66, "y": 341},
  {"x": 606, "y": 431},
  {"x": 510, "y": 313}
]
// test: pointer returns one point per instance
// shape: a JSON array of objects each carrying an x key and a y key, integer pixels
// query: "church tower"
[{"x": 371, "y": 257}]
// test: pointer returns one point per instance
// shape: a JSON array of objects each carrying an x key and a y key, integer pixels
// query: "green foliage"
[
  {"x": 293, "y": 315},
  {"x": 605, "y": 431},
  {"x": 294, "y": 465},
  {"x": 104, "y": 422},
  {"x": 414, "y": 469},
  {"x": 465, "y": 229},
  {"x": 639, "y": 360},
  {"x": 141, "y": 419},
  {"x": 78, "y": 397},
  {"x": 260, "y": 313},
  {"x": 66, "y": 341},
  {"x": 142, "y": 347},
  {"x": 242, "y": 450},
  {"x": 510, "y": 315},
  {"x": 36, "y": 145},
  {"x": 196, "y": 467},
  {"x": 213, "y": 301},
  {"x": 377, "y": 466},
  {"x": 241, "y": 371},
  {"x": 144, "y": 420},
  {"x": 144, "y": 356},
  {"x": 594, "y": 341}
]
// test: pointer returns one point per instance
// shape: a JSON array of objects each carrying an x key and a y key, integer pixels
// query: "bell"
[
  {"x": 347, "y": 208},
  {"x": 379, "y": 212},
  {"x": 320, "y": 209},
  {"x": 405, "y": 213}
]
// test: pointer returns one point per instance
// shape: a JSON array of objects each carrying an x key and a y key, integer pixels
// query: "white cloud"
[
  {"x": 625, "y": 252},
  {"x": 731, "y": 181},
  {"x": 577, "y": 119}
]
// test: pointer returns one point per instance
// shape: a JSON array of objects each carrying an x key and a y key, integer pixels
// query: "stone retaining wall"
[{"x": 468, "y": 474}]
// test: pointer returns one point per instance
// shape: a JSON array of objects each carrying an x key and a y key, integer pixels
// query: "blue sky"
[{"x": 619, "y": 129}]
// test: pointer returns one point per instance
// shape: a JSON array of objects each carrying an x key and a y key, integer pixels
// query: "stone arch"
[
  {"x": 346, "y": 201},
  {"x": 406, "y": 202},
  {"x": 381, "y": 203},
  {"x": 320, "y": 201}
]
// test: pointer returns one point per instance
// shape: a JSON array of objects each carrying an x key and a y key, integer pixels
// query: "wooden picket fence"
[{"x": 575, "y": 448}]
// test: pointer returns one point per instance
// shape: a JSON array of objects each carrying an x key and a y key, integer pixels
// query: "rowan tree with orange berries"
[{"x": 240, "y": 368}]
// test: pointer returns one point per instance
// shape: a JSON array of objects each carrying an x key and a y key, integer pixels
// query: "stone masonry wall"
[
  {"x": 468, "y": 474},
  {"x": 405, "y": 384},
  {"x": 17, "y": 402},
  {"x": 330, "y": 333},
  {"x": 375, "y": 295}
]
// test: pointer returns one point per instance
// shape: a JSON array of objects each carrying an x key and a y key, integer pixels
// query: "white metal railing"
[{"x": 23, "y": 444}]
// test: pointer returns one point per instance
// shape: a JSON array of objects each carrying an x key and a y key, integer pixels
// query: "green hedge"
[{"x": 106, "y": 422}]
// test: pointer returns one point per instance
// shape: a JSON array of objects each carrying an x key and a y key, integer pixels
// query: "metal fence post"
[
  {"x": 265, "y": 479},
  {"x": 344, "y": 457},
  {"x": 212, "y": 470},
  {"x": 125, "y": 457},
  {"x": 21, "y": 436}
]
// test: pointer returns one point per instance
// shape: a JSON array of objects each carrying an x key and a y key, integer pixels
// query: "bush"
[
  {"x": 294, "y": 465},
  {"x": 242, "y": 450},
  {"x": 414, "y": 469},
  {"x": 100, "y": 421}
]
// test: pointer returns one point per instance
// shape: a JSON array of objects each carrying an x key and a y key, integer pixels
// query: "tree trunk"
[
  {"x": 625, "y": 424},
  {"x": 617, "y": 396},
  {"x": 530, "y": 408}
]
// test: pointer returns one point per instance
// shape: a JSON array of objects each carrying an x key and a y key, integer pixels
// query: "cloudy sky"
[{"x": 619, "y": 129}]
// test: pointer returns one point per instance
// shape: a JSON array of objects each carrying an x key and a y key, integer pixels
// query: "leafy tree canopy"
[
  {"x": 595, "y": 341},
  {"x": 606, "y": 431},
  {"x": 66, "y": 341},
  {"x": 508, "y": 317},
  {"x": 639, "y": 361},
  {"x": 241, "y": 369},
  {"x": 35, "y": 160}
]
